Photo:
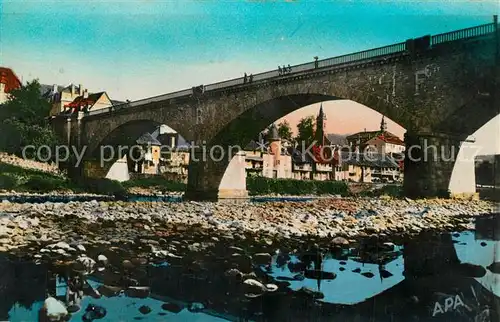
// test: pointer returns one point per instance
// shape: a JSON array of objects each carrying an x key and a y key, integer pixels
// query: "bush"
[
  {"x": 156, "y": 182},
  {"x": 262, "y": 186},
  {"x": 103, "y": 186},
  {"x": 389, "y": 190},
  {"x": 43, "y": 184},
  {"x": 7, "y": 182}
]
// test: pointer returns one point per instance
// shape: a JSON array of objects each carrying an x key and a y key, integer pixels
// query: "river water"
[{"x": 433, "y": 277}]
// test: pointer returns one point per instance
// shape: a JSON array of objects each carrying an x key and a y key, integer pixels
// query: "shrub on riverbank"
[
  {"x": 395, "y": 191},
  {"x": 262, "y": 186},
  {"x": 156, "y": 183},
  {"x": 7, "y": 182},
  {"x": 44, "y": 184},
  {"x": 102, "y": 186},
  {"x": 20, "y": 179}
]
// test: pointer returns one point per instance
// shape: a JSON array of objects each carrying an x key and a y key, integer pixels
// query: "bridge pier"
[
  {"x": 212, "y": 176},
  {"x": 428, "y": 164}
]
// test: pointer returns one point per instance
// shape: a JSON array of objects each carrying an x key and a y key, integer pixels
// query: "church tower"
[
  {"x": 383, "y": 125},
  {"x": 320, "y": 126}
]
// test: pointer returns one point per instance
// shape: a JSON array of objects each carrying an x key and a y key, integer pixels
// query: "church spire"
[
  {"x": 320, "y": 126},
  {"x": 383, "y": 124}
]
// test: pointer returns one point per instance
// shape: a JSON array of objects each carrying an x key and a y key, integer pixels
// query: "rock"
[
  {"x": 81, "y": 248},
  {"x": 306, "y": 291},
  {"x": 494, "y": 268},
  {"x": 94, "y": 312},
  {"x": 145, "y": 309},
  {"x": 262, "y": 258},
  {"x": 127, "y": 264},
  {"x": 171, "y": 307},
  {"x": 102, "y": 259},
  {"x": 55, "y": 309},
  {"x": 141, "y": 292},
  {"x": 340, "y": 241},
  {"x": 471, "y": 270},
  {"x": 84, "y": 264},
  {"x": 109, "y": 291},
  {"x": 196, "y": 307}
]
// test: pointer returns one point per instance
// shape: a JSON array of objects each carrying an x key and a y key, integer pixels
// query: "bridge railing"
[
  {"x": 476, "y": 31},
  {"x": 328, "y": 62}
]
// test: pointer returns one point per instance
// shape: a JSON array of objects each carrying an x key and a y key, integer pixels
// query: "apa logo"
[{"x": 450, "y": 303}]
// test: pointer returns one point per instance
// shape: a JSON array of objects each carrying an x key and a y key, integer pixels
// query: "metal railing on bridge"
[
  {"x": 471, "y": 32},
  {"x": 398, "y": 48}
]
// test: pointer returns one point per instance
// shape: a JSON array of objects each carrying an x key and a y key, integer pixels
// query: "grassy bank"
[
  {"x": 28, "y": 180},
  {"x": 263, "y": 186},
  {"x": 156, "y": 183}
]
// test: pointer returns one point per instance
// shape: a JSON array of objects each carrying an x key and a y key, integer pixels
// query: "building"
[
  {"x": 174, "y": 155},
  {"x": 147, "y": 160},
  {"x": 368, "y": 167},
  {"x": 381, "y": 141},
  {"x": 60, "y": 96},
  {"x": 74, "y": 98},
  {"x": 268, "y": 158},
  {"x": 8, "y": 82},
  {"x": 88, "y": 102}
]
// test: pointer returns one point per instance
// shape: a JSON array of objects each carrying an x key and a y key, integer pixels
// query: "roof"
[
  {"x": 114, "y": 102},
  {"x": 68, "y": 88},
  {"x": 48, "y": 90},
  {"x": 386, "y": 136},
  {"x": 253, "y": 146},
  {"x": 273, "y": 134},
  {"x": 391, "y": 138},
  {"x": 298, "y": 157},
  {"x": 336, "y": 139},
  {"x": 9, "y": 78},
  {"x": 147, "y": 139},
  {"x": 376, "y": 160},
  {"x": 80, "y": 101}
]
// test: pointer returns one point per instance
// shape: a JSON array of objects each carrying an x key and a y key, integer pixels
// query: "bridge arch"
[
  {"x": 209, "y": 177},
  {"x": 113, "y": 152}
]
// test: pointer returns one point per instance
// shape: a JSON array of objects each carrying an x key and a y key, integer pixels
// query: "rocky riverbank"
[{"x": 31, "y": 227}]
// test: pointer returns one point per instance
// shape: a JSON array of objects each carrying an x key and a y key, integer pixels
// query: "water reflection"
[
  {"x": 443, "y": 277},
  {"x": 357, "y": 280}
]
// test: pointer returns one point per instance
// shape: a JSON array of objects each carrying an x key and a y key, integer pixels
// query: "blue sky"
[{"x": 135, "y": 49}]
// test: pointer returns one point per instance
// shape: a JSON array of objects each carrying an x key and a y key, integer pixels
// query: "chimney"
[
  {"x": 72, "y": 89},
  {"x": 80, "y": 87},
  {"x": 54, "y": 88},
  {"x": 85, "y": 93}
]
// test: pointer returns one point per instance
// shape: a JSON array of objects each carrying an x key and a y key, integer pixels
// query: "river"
[{"x": 431, "y": 277}]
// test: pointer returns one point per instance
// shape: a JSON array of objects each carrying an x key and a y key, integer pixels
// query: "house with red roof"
[
  {"x": 383, "y": 141},
  {"x": 8, "y": 82}
]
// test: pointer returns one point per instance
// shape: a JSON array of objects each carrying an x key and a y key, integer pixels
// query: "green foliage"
[
  {"x": 24, "y": 121},
  {"x": 262, "y": 186},
  {"x": 156, "y": 182},
  {"x": 395, "y": 191},
  {"x": 285, "y": 131},
  {"x": 103, "y": 186},
  {"x": 7, "y": 182},
  {"x": 43, "y": 184},
  {"x": 306, "y": 131}
]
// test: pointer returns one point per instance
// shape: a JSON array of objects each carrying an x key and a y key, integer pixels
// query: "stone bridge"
[{"x": 440, "y": 88}]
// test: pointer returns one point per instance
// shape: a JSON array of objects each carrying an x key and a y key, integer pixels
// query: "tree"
[
  {"x": 24, "y": 121},
  {"x": 305, "y": 129},
  {"x": 285, "y": 131}
]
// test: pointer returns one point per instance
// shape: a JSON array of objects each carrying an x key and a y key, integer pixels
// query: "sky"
[{"x": 139, "y": 48}]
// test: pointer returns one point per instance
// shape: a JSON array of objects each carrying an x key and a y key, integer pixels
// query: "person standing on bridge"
[
  {"x": 279, "y": 70},
  {"x": 245, "y": 78},
  {"x": 250, "y": 78}
]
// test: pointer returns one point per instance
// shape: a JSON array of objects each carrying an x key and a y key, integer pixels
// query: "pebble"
[{"x": 340, "y": 218}]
